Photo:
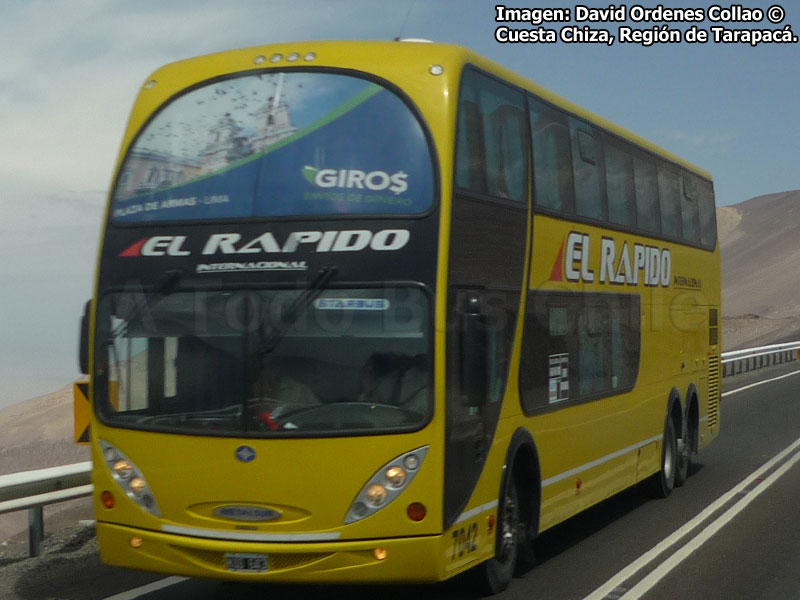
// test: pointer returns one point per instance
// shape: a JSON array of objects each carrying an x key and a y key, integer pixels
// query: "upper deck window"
[
  {"x": 492, "y": 147},
  {"x": 277, "y": 144}
]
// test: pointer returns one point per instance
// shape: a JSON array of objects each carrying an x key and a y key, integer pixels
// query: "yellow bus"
[{"x": 383, "y": 312}]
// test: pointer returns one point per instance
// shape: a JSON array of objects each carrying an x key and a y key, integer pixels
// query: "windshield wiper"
[{"x": 288, "y": 317}]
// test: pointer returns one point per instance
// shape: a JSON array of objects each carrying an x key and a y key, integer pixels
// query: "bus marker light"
[
  {"x": 491, "y": 520},
  {"x": 436, "y": 69},
  {"x": 310, "y": 56},
  {"x": 293, "y": 57},
  {"x": 260, "y": 59},
  {"x": 150, "y": 84},
  {"x": 136, "y": 542},
  {"x": 411, "y": 462},
  {"x": 380, "y": 553},
  {"x": 107, "y": 499},
  {"x": 416, "y": 511},
  {"x": 275, "y": 58}
]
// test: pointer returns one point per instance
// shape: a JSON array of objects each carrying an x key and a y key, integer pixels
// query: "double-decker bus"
[{"x": 383, "y": 312}]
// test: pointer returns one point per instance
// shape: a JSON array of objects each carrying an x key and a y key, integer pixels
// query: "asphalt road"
[{"x": 730, "y": 532}]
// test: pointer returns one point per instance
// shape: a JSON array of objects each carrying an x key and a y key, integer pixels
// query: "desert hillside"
[
  {"x": 760, "y": 245},
  {"x": 38, "y": 433},
  {"x": 33, "y": 435}
]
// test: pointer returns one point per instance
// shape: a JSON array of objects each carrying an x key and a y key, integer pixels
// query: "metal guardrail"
[
  {"x": 751, "y": 359},
  {"x": 34, "y": 489}
]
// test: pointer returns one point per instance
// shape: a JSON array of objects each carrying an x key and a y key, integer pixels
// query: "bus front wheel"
[
  {"x": 663, "y": 482},
  {"x": 496, "y": 573}
]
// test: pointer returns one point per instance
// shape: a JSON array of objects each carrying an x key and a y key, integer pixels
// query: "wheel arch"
[
  {"x": 522, "y": 462},
  {"x": 675, "y": 411}
]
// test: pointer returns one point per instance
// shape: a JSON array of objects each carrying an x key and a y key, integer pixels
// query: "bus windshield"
[
  {"x": 231, "y": 363},
  {"x": 277, "y": 144}
]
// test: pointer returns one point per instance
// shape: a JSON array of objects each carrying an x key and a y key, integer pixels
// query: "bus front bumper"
[{"x": 406, "y": 560}]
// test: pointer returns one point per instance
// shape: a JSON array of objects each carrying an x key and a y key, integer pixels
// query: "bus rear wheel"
[{"x": 684, "y": 462}]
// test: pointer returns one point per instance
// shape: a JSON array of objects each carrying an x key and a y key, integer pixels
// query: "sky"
[{"x": 71, "y": 70}]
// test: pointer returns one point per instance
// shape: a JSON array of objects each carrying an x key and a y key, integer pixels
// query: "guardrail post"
[{"x": 35, "y": 530}]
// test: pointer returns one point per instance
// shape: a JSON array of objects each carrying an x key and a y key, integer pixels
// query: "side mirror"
[
  {"x": 474, "y": 372},
  {"x": 83, "y": 345}
]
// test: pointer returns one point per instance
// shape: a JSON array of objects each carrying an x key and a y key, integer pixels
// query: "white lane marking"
[
  {"x": 649, "y": 556},
  {"x": 673, "y": 561},
  {"x": 146, "y": 589},
  {"x": 598, "y": 462},
  {"x": 752, "y": 385}
]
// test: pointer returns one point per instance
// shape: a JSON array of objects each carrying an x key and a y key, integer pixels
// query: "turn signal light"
[
  {"x": 107, "y": 498},
  {"x": 380, "y": 553}
]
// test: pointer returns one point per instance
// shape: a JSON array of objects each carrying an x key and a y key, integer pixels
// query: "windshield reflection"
[{"x": 351, "y": 361}]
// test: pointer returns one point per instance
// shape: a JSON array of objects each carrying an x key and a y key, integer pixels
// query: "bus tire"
[
  {"x": 497, "y": 572},
  {"x": 683, "y": 460},
  {"x": 663, "y": 482},
  {"x": 687, "y": 445}
]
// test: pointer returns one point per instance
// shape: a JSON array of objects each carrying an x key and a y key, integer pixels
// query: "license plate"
[{"x": 249, "y": 563}]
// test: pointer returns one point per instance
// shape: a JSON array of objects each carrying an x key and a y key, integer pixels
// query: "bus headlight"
[
  {"x": 396, "y": 476},
  {"x": 376, "y": 494},
  {"x": 122, "y": 468},
  {"x": 386, "y": 484},
  {"x": 129, "y": 478}
]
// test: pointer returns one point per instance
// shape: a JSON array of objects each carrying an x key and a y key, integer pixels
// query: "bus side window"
[
  {"x": 587, "y": 171},
  {"x": 578, "y": 346},
  {"x": 470, "y": 171},
  {"x": 689, "y": 210},
  {"x": 552, "y": 169},
  {"x": 491, "y": 144},
  {"x": 669, "y": 199},
  {"x": 645, "y": 182},
  {"x": 619, "y": 184},
  {"x": 708, "y": 218},
  {"x": 507, "y": 170}
]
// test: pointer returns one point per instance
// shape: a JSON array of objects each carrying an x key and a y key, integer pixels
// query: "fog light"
[
  {"x": 136, "y": 542},
  {"x": 416, "y": 511},
  {"x": 380, "y": 553},
  {"x": 107, "y": 498}
]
